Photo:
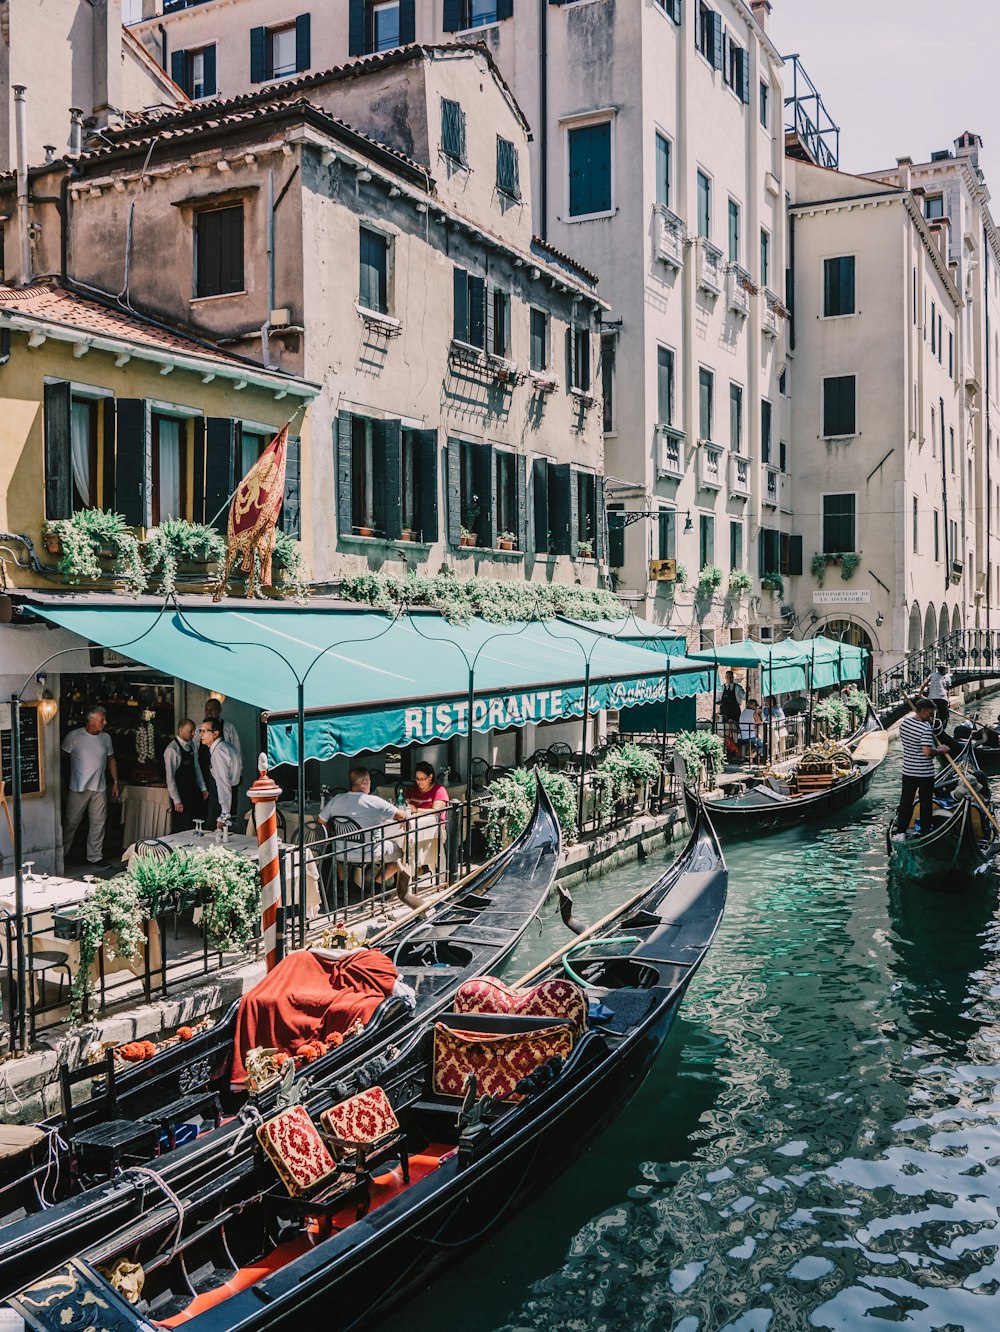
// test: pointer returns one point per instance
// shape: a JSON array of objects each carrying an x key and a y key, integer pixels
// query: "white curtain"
[
  {"x": 79, "y": 432},
  {"x": 170, "y": 468}
]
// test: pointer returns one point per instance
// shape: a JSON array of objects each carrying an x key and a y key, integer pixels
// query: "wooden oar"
[
  {"x": 972, "y": 792},
  {"x": 578, "y": 939}
]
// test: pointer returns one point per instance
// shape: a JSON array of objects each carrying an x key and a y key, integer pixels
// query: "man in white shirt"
[
  {"x": 90, "y": 753},
  {"x": 224, "y": 770},
  {"x": 185, "y": 784},
  {"x": 371, "y": 812},
  {"x": 936, "y": 688}
]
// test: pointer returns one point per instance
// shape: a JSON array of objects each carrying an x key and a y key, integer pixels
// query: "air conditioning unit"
[{"x": 662, "y": 571}]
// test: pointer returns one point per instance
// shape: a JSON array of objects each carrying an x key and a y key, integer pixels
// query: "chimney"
[
  {"x": 50, "y": 152},
  {"x": 107, "y": 62},
  {"x": 761, "y": 9},
  {"x": 968, "y": 145},
  {"x": 903, "y": 165},
  {"x": 75, "y": 131},
  {"x": 21, "y": 159}
]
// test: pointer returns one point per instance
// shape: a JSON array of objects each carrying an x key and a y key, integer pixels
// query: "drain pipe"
[
  {"x": 265, "y": 330},
  {"x": 21, "y": 135}
]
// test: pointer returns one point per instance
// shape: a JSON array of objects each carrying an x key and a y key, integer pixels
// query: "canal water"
[{"x": 818, "y": 1145}]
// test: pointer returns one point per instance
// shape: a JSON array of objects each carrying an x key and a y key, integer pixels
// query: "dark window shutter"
[
  {"x": 108, "y": 423},
  {"x": 600, "y": 519},
  {"x": 452, "y": 20},
  {"x": 479, "y": 312},
  {"x": 211, "y": 87},
  {"x": 540, "y": 505},
  {"x": 769, "y": 551},
  {"x": 745, "y": 77},
  {"x": 461, "y": 305},
  {"x": 407, "y": 21},
  {"x": 198, "y": 469},
  {"x": 303, "y": 43},
  {"x": 179, "y": 68},
  {"x": 345, "y": 512},
  {"x": 490, "y": 302},
  {"x": 291, "y": 505},
  {"x": 356, "y": 28},
  {"x": 387, "y": 461},
  {"x": 570, "y": 356},
  {"x": 521, "y": 495},
  {"x": 717, "y": 41},
  {"x": 58, "y": 455},
  {"x": 220, "y": 470},
  {"x": 794, "y": 555},
  {"x": 674, "y": 10},
  {"x": 484, "y": 486},
  {"x": 258, "y": 54},
  {"x": 133, "y": 462},
  {"x": 616, "y": 539},
  {"x": 562, "y": 506},
  {"x": 454, "y": 493},
  {"x": 427, "y": 488},
  {"x": 505, "y": 10}
]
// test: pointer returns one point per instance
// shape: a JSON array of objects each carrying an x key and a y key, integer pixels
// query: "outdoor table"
[
  {"x": 289, "y": 811},
  {"x": 43, "y": 896},
  {"x": 145, "y": 813},
  {"x": 247, "y": 846}
]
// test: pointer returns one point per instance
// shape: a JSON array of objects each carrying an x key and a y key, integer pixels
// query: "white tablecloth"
[{"x": 145, "y": 813}]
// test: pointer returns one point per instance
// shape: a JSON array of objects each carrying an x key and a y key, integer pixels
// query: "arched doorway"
[
  {"x": 944, "y": 622},
  {"x": 849, "y": 631},
  {"x": 956, "y": 620},
  {"x": 930, "y": 627},
  {"x": 913, "y": 636}
]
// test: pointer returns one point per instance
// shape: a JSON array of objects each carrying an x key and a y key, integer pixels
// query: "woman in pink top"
[{"x": 426, "y": 795}]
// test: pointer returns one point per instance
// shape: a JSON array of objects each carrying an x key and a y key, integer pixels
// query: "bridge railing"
[{"x": 968, "y": 653}]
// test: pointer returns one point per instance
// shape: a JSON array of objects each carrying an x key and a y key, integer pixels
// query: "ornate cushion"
[
  {"x": 299, "y": 1154},
  {"x": 559, "y": 998},
  {"x": 363, "y": 1119},
  {"x": 499, "y": 1062}
]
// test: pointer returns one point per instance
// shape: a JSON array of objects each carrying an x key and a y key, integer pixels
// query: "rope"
[
  {"x": 593, "y": 943},
  {"x": 54, "y": 1149},
  {"x": 252, "y": 1119},
  {"x": 149, "y": 1173}
]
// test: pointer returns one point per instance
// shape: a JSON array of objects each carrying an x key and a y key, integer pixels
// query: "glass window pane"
[
  {"x": 735, "y": 417},
  {"x": 283, "y": 51},
  {"x": 169, "y": 468},
  {"x": 665, "y": 385},
  {"x": 734, "y": 232},
  {"x": 706, "y": 384},
  {"x": 80, "y": 449},
  {"x": 704, "y": 205},
  {"x": 539, "y": 340},
  {"x": 662, "y": 171},
  {"x": 385, "y": 26}
]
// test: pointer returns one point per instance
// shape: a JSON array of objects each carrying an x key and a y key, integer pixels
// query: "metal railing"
[{"x": 969, "y": 654}]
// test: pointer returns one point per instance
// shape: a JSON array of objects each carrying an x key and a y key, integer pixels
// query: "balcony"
[
  {"x": 710, "y": 466},
  {"x": 711, "y": 274},
  {"x": 669, "y": 452},
  {"x": 739, "y": 286},
  {"x": 668, "y": 237},
  {"x": 768, "y": 317},
  {"x": 739, "y": 476},
  {"x": 957, "y": 569},
  {"x": 772, "y": 487}
]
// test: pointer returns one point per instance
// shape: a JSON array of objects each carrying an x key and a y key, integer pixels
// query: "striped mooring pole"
[{"x": 264, "y": 793}]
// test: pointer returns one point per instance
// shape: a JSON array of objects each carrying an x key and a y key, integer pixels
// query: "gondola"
[
  {"x": 783, "y": 801},
  {"x": 473, "y": 933},
  {"x": 962, "y": 842},
  {"x": 985, "y": 744},
  {"x": 477, "y": 1114}
]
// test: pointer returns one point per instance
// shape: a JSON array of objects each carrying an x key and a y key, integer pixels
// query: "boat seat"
[
  {"x": 169, "y": 1119},
  {"x": 557, "y": 998},
  {"x": 497, "y": 1061},
  {"x": 779, "y": 788},
  {"x": 366, "y": 1125}
]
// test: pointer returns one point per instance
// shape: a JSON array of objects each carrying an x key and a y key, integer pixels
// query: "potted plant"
[
  {"x": 774, "y": 584},
  {"x": 739, "y": 582},
  {"x": 407, "y": 534},
  {"x": 361, "y": 529},
  {"x": 93, "y": 535},
  {"x": 176, "y": 543},
  {"x": 505, "y": 541},
  {"x": 680, "y": 576},
  {"x": 512, "y": 797},
  {"x": 709, "y": 579},
  {"x": 287, "y": 560},
  {"x": 849, "y": 562},
  {"x": 817, "y": 567},
  {"x": 469, "y": 538},
  {"x": 470, "y": 520},
  {"x": 586, "y": 550}
]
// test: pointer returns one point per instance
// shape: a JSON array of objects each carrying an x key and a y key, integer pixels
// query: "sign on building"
[{"x": 853, "y": 596}]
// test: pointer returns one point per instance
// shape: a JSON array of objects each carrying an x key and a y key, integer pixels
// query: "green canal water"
[{"x": 818, "y": 1145}]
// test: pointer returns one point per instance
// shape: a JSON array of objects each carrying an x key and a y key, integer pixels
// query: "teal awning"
[
  {"x": 792, "y": 664},
  {"x": 688, "y": 677},
  {"x": 369, "y": 681}
]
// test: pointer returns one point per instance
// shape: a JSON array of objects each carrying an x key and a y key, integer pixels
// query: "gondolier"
[
  {"x": 919, "y": 747},
  {"x": 936, "y": 688}
]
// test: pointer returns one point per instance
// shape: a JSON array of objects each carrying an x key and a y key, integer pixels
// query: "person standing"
[
  {"x": 91, "y": 755},
  {"x": 224, "y": 772},
  {"x": 730, "y": 697},
  {"x": 936, "y": 688},
  {"x": 919, "y": 747},
  {"x": 213, "y": 712},
  {"x": 185, "y": 783}
]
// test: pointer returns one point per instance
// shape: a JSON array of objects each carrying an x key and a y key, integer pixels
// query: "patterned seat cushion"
[
  {"x": 499, "y": 1062},
  {"x": 299, "y": 1154},
  {"x": 362, "y": 1120},
  {"x": 559, "y": 998}
]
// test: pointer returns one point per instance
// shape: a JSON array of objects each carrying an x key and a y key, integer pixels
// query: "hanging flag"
[{"x": 253, "y": 515}]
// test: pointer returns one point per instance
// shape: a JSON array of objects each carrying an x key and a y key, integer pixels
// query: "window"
[
  {"x": 470, "y": 309},
  {"x": 578, "y": 356},
  {"x": 933, "y": 432},
  {"x": 706, "y": 540},
  {"x": 951, "y": 355},
  {"x": 934, "y": 206},
  {"x": 169, "y": 479},
  {"x": 386, "y": 479},
  {"x": 415, "y": 478},
  {"x": 779, "y": 552},
  {"x": 838, "y": 524},
  {"x": 838, "y": 286},
  {"x": 951, "y": 444},
  {"x": 839, "y": 415},
  {"x": 667, "y": 534},
  {"x": 362, "y": 476},
  {"x": 708, "y": 34},
  {"x": 765, "y": 430},
  {"x": 373, "y": 291},
  {"x": 764, "y": 99},
  {"x": 219, "y": 251},
  {"x": 783, "y": 383},
  {"x": 782, "y": 456},
  {"x": 940, "y": 339},
  {"x": 734, "y": 232},
  {"x": 589, "y": 153},
  {"x": 506, "y": 492},
  {"x": 194, "y": 71},
  {"x": 736, "y": 560},
  {"x": 664, "y": 386},
  {"x": 608, "y": 349},
  {"x": 765, "y": 257},
  {"x": 452, "y": 130},
  {"x": 379, "y": 25},
  {"x": 586, "y": 508},
  {"x": 385, "y": 25},
  {"x": 508, "y": 175},
  {"x": 568, "y": 508},
  {"x": 737, "y": 70},
  {"x": 736, "y": 418},
  {"x": 937, "y": 538},
  {"x": 83, "y": 452},
  {"x": 706, "y": 394},
  {"x": 250, "y": 445},
  {"x": 704, "y": 206},
  {"x": 916, "y": 526},
  {"x": 500, "y": 345},
  {"x": 539, "y": 331},
  {"x": 953, "y": 551},
  {"x": 672, "y": 8},
  {"x": 282, "y": 50},
  {"x": 477, "y": 13},
  {"x": 662, "y": 168},
  {"x": 933, "y": 329}
]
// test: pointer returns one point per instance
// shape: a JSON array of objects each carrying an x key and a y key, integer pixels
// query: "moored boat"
[{"x": 475, "y": 1115}]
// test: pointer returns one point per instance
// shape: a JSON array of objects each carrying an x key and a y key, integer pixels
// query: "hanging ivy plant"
[
  {"x": 177, "y": 541},
  {"x": 92, "y": 535},
  {"x": 833, "y": 712},
  {"x": 817, "y": 567},
  {"x": 857, "y": 702},
  {"x": 848, "y": 564},
  {"x": 115, "y": 908},
  {"x": 701, "y": 751},
  {"x": 497, "y": 600},
  {"x": 512, "y": 798},
  {"x": 620, "y": 773}
]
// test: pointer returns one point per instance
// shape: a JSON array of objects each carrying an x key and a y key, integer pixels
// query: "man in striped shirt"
[{"x": 919, "y": 748}]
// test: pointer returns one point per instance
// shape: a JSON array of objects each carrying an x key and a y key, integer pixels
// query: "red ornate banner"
[{"x": 253, "y": 515}]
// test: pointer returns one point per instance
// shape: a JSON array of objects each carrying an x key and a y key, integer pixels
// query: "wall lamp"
[
  {"x": 47, "y": 705},
  {"x": 813, "y": 617},
  {"x": 688, "y": 524},
  {"x": 879, "y": 620}
]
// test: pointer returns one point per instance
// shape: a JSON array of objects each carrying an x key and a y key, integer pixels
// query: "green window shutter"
[
  {"x": 303, "y": 43},
  {"x": 590, "y": 169},
  {"x": 387, "y": 467},
  {"x": 198, "y": 469},
  {"x": 211, "y": 87},
  {"x": 490, "y": 304},
  {"x": 427, "y": 496},
  {"x": 600, "y": 519},
  {"x": 479, "y": 312},
  {"x": 452, "y": 21},
  {"x": 291, "y": 505},
  {"x": 134, "y": 462},
  {"x": 562, "y": 509},
  {"x": 540, "y": 505},
  {"x": 220, "y": 470},
  {"x": 794, "y": 555},
  {"x": 745, "y": 77},
  {"x": 344, "y": 447},
  {"x": 505, "y": 10},
  {"x": 258, "y": 54},
  {"x": 716, "y": 41},
  {"x": 407, "y": 22},
  {"x": 461, "y": 329},
  {"x": 179, "y": 71},
  {"x": 616, "y": 539},
  {"x": 373, "y": 284},
  {"x": 521, "y": 495},
  {"x": 769, "y": 551},
  {"x": 454, "y": 492},
  {"x": 484, "y": 487},
  {"x": 108, "y": 428},
  {"x": 356, "y": 28},
  {"x": 58, "y": 453}
]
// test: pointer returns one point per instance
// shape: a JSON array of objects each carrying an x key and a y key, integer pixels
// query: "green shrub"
[
  {"x": 498, "y": 600},
  {"x": 619, "y": 773},
  {"x": 833, "y": 712},
  {"x": 701, "y": 751},
  {"x": 512, "y": 798}
]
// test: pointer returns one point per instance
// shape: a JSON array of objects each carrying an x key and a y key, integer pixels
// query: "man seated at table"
[{"x": 370, "y": 812}]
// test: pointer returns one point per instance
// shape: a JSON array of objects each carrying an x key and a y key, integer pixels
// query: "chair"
[
  {"x": 493, "y": 774},
  {"x": 480, "y": 768},
  {"x": 559, "y": 755},
  {"x": 349, "y": 839},
  {"x": 153, "y": 848},
  {"x": 378, "y": 777},
  {"x": 37, "y": 963}
]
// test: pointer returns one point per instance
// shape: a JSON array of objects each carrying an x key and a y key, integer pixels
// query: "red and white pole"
[{"x": 264, "y": 793}]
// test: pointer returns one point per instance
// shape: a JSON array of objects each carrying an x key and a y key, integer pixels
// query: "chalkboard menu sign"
[{"x": 32, "y": 761}]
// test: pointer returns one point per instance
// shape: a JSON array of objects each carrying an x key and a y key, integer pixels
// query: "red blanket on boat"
[{"x": 307, "y": 997}]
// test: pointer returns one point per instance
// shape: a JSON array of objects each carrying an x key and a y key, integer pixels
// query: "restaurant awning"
[
  {"x": 793, "y": 663},
  {"x": 687, "y": 676},
  {"x": 366, "y": 680}
]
